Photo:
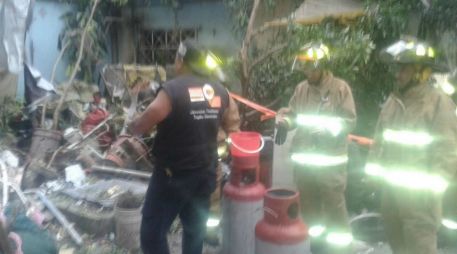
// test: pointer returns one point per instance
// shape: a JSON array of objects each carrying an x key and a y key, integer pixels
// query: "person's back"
[
  {"x": 186, "y": 139},
  {"x": 188, "y": 111}
]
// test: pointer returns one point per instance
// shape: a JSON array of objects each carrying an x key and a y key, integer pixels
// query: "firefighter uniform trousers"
[
  {"x": 322, "y": 196},
  {"x": 411, "y": 220}
]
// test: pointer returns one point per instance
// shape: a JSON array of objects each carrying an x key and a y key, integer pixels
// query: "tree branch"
[
  {"x": 247, "y": 39},
  {"x": 270, "y": 105},
  {"x": 76, "y": 67},
  {"x": 266, "y": 55},
  {"x": 54, "y": 68}
]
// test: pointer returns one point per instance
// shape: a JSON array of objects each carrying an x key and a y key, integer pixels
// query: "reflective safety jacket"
[
  {"x": 325, "y": 114},
  {"x": 416, "y": 140}
]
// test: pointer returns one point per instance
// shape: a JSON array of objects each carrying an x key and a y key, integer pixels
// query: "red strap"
[
  {"x": 266, "y": 112},
  {"x": 363, "y": 141},
  {"x": 269, "y": 114}
]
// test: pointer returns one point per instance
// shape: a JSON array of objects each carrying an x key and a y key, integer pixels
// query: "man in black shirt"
[{"x": 188, "y": 112}]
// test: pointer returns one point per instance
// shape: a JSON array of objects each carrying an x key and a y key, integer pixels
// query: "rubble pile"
[{"x": 62, "y": 185}]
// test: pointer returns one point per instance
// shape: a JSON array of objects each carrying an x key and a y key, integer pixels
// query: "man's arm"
[
  {"x": 443, "y": 153},
  {"x": 231, "y": 118},
  {"x": 156, "y": 112},
  {"x": 286, "y": 116},
  {"x": 347, "y": 111}
]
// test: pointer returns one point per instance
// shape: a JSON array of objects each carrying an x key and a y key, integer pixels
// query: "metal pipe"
[
  {"x": 18, "y": 191},
  {"x": 72, "y": 146},
  {"x": 121, "y": 171},
  {"x": 5, "y": 183},
  {"x": 59, "y": 216}
]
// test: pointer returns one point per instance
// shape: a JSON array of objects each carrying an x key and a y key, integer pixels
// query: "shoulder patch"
[{"x": 196, "y": 94}]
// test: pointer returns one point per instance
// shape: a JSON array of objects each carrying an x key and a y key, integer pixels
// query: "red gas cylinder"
[
  {"x": 243, "y": 195},
  {"x": 129, "y": 152},
  {"x": 281, "y": 230},
  {"x": 93, "y": 119},
  {"x": 266, "y": 162}
]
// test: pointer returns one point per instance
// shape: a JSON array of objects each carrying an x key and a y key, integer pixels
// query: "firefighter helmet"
[
  {"x": 199, "y": 59},
  {"x": 314, "y": 54},
  {"x": 412, "y": 51}
]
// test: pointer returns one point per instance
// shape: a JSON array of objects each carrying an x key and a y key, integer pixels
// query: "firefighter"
[
  {"x": 188, "y": 111},
  {"x": 322, "y": 108},
  {"x": 414, "y": 154}
]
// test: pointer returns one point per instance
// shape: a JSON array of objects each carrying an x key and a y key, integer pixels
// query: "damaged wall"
[
  {"x": 43, "y": 36},
  {"x": 41, "y": 41},
  {"x": 14, "y": 18}
]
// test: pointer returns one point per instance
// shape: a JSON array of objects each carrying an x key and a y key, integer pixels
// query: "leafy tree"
[{"x": 355, "y": 46}]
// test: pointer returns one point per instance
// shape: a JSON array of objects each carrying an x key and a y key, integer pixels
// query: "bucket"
[
  {"x": 44, "y": 142},
  {"x": 245, "y": 148},
  {"x": 127, "y": 218}
]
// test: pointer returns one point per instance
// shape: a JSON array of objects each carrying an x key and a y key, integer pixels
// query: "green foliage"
[
  {"x": 95, "y": 45},
  {"x": 9, "y": 108},
  {"x": 354, "y": 49},
  {"x": 351, "y": 48},
  {"x": 96, "y": 40},
  {"x": 240, "y": 11},
  {"x": 171, "y": 3}
]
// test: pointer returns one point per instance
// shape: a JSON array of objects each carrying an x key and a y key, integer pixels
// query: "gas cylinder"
[
  {"x": 281, "y": 230},
  {"x": 129, "y": 152},
  {"x": 243, "y": 195},
  {"x": 94, "y": 118}
]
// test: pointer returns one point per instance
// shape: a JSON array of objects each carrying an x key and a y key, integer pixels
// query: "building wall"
[
  {"x": 41, "y": 41},
  {"x": 210, "y": 17}
]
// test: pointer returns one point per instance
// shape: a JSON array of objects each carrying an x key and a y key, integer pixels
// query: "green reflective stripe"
[
  {"x": 447, "y": 88},
  {"x": 450, "y": 224},
  {"x": 212, "y": 222},
  {"x": 339, "y": 239},
  {"x": 316, "y": 230},
  {"x": 412, "y": 138},
  {"x": 332, "y": 124},
  {"x": 410, "y": 179},
  {"x": 319, "y": 160}
]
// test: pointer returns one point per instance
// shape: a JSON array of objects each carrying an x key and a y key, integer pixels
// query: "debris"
[
  {"x": 105, "y": 192},
  {"x": 60, "y": 217},
  {"x": 89, "y": 217},
  {"x": 67, "y": 251},
  {"x": 90, "y": 133},
  {"x": 127, "y": 216},
  {"x": 93, "y": 120},
  {"x": 121, "y": 171},
  {"x": 75, "y": 174},
  {"x": 130, "y": 152},
  {"x": 9, "y": 158},
  {"x": 72, "y": 135}
]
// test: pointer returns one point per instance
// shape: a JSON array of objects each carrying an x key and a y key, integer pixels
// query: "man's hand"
[
  {"x": 281, "y": 133},
  {"x": 283, "y": 112},
  {"x": 282, "y": 126}
]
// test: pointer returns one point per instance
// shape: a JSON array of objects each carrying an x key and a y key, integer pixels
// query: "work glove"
[{"x": 281, "y": 133}]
